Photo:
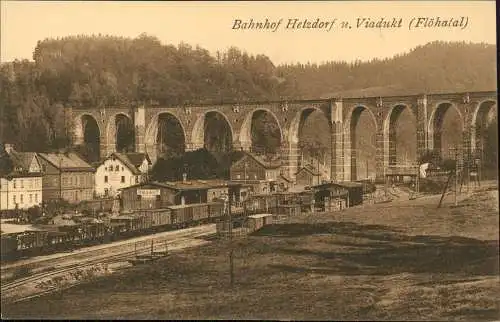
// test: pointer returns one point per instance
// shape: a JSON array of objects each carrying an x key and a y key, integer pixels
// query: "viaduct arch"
[{"x": 427, "y": 112}]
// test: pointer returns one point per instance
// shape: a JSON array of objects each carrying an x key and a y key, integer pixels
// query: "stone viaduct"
[{"x": 342, "y": 114}]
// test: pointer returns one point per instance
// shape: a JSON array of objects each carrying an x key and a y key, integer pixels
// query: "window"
[
  {"x": 138, "y": 197},
  {"x": 22, "y": 184},
  {"x": 105, "y": 179},
  {"x": 123, "y": 179},
  {"x": 117, "y": 168},
  {"x": 136, "y": 179},
  {"x": 14, "y": 199},
  {"x": 110, "y": 168},
  {"x": 36, "y": 197},
  {"x": 123, "y": 169},
  {"x": 31, "y": 198},
  {"x": 238, "y": 176},
  {"x": 14, "y": 183},
  {"x": 22, "y": 198}
]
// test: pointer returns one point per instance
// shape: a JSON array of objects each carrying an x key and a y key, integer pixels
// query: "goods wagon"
[
  {"x": 115, "y": 229},
  {"x": 158, "y": 217},
  {"x": 58, "y": 240},
  {"x": 256, "y": 222},
  {"x": 9, "y": 246},
  {"x": 200, "y": 212},
  {"x": 91, "y": 232},
  {"x": 215, "y": 210},
  {"x": 125, "y": 223},
  {"x": 96, "y": 206},
  {"x": 139, "y": 222},
  {"x": 32, "y": 239},
  {"x": 181, "y": 214}
]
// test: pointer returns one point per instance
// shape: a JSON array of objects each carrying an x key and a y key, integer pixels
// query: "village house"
[
  {"x": 120, "y": 170},
  {"x": 21, "y": 181},
  {"x": 336, "y": 196},
  {"x": 284, "y": 183},
  {"x": 307, "y": 175},
  {"x": 66, "y": 176},
  {"x": 156, "y": 195},
  {"x": 259, "y": 172}
]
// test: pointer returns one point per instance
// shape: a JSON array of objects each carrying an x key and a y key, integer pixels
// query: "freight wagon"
[
  {"x": 182, "y": 215},
  {"x": 8, "y": 246},
  {"x": 31, "y": 241},
  {"x": 215, "y": 209},
  {"x": 158, "y": 217},
  {"x": 200, "y": 213},
  {"x": 256, "y": 222},
  {"x": 97, "y": 205}
]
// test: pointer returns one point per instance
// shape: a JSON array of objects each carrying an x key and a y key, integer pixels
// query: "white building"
[
  {"x": 20, "y": 180},
  {"x": 120, "y": 170}
]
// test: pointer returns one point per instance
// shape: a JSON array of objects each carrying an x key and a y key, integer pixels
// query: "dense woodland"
[{"x": 105, "y": 70}]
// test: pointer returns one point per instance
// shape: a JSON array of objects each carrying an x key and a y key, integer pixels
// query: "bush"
[
  {"x": 429, "y": 156},
  {"x": 449, "y": 165}
]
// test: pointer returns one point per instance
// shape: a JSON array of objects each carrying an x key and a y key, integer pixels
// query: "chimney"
[
  {"x": 9, "y": 147},
  {"x": 184, "y": 177}
]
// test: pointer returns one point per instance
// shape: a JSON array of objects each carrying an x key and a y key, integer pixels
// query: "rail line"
[
  {"x": 99, "y": 248},
  {"x": 105, "y": 259}
]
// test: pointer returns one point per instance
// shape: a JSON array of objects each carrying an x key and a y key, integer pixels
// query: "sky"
[{"x": 210, "y": 25}]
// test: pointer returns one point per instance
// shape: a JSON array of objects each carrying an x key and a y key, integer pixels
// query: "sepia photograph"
[{"x": 249, "y": 160}]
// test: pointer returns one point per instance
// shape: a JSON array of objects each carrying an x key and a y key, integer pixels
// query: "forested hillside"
[
  {"x": 434, "y": 67},
  {"x": 106, "y": 70}
]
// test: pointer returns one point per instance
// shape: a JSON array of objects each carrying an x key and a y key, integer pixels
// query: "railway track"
[
  {"x": 9, "y": 290},
  {"x": 31, "y": 262}
]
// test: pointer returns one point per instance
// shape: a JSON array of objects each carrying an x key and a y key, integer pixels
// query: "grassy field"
[{"x": 395, "y": 261}]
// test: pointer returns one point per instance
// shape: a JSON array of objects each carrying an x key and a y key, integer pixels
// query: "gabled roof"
[
  {"x": 188, "y": 185},
  {"x": 66, "y": 161},
  {"x": 21, "y": 163},
  {"x": 343, "y": 184},
  {"x": 132, "y": 160},
  {"x": 268, "y": 164},
  {"x": 136, "y": 158},
  {"x": 197, "y": 184},
  {"x": 286, "y": 178},
  {"x": 309, "y": 168}
]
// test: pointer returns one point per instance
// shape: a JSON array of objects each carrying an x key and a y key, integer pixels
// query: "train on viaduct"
[{"x": 342, "y": 114}]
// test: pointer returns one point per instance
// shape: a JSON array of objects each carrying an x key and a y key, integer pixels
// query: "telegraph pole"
[
  {"x": 456, "y": 173},
  {"x": 456, "y": 176},
  {"x": 60, "y": 176},
  {"x": 229, "y": 213}
]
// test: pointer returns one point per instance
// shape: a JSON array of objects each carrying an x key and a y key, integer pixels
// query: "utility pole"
[
  {"x": 456, "y": 176},
  {"x": 245, "y": 171},
  {"x": 231, "y": 269},
  {"x": 456, "y": 173},
  {"x": 366, "y": 169},
  {"x": 60, "y": 176}
]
